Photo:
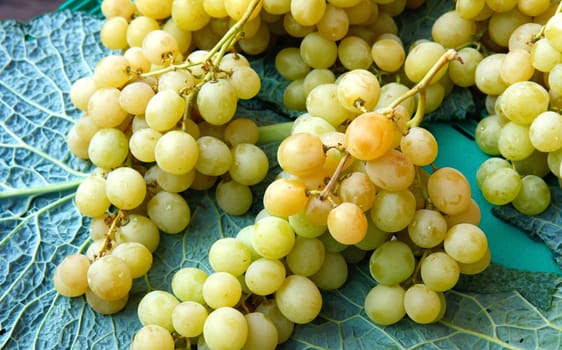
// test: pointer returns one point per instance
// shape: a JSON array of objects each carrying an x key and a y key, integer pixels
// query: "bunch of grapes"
[{"x": 522, "y": 81}]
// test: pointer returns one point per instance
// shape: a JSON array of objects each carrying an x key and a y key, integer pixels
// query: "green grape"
[
  {"x": 535, "y": 164},
  {"x": 354, "y": 53},
  {"x": 393, "y": 171},
  {"x": 294, "y": 97},
  {"x": 241, "y": 130},
  {"x": 81, "y": 91},
  {"x": 428, "y": 228},
  {"x": 249, "y": 164},
  {"x": 246, "y": 82},
  {"x": 108, "y": 148},
  {"x": 169, "y": 211},
  {"x": 284, "y": 326},
  {"x": 229, "y": 255},
  {"x": 138, "y": 28},
  {"x": 347, "y": 223},
  {"x": 273, "y": 237},
  {"x": 177, "y": 80},
  {"x": 91, "y": 199},
  {"x": 421, "y": 58},
  {"x": 188, "y": 318},
  {"x": 374, "y": 237},
  {"x": 384, "y": 305},
  {"x": 140, "y": 229},
  {"x": 534, "y": 196},
  {"x": 388, "y": 53},
  {"x": 109, "y": 277},
  {"x": 514, "y": 142},
  {"x": 189, "y": 15},
  {"x": 265, "y": 276},
  {"x": 143, "y": 143},
  {"x": 221, "y": 289},
  {"x": 545, "y": 131},
  {"x": 331, "y": 244},
  {"x": 322, "y": 102},
  {"x": 214, "y": 158},
  {"x": 463, "y": 29},
  {"x": 393, "y": 211},
  {"x": 262, "y": 332},
  {"x": 111, "y": 71},
  {"x": 160, "y": 47},
  {"x": 290, "y": 65},
  {"x": 553, "y": 31},
  {"x": 358, "y": 188},
  {"x": 136, "y": 256},
  {"x": 523, "y": 101},
  {"x": 295, "y": 29},
  {"x": 466, "y": 243},
  {"x": 489, "y": 166},
  {"x": 176, "y": 152},
  {"x": 487, "y": 133},
  {"x": 183, "y": 37},
  {"x": 225, "y": 328},
  {"x": 358, "y": 90},
  {"x": 478, "y": 266},
  {"x": 245, "y": 236},
  {"x": 172, "y": 182},
  {"x": 164, "y": 110},
  {"x": 502, "y": 24},
  {"x": 501, "y": 186},
  {"x": 308, "y": 12},
  {"x": 298, "y": 299},
  {"x": 449, "y": 190},
  {"x": 304, "y": 226},
  {"x": 317, "y": 77},
  {"x": 187, "y": 284},
  {"x": 554, "y": 160},
  {"x": 125, "y": 188},
  {"x": 422, "y": 304},
  {"x": 156, "y": 307},
  {"x": 307, "y": 256},
  {"x": 469, "y": 9},
  {"x": 217, "y": 101},
  {"x": 392, "y": 263},
  {"x": 544, "y": 56},
  {"x": 439, "y": 271},
  {"x": 487, "y": 77},
  {"x": 314, "y": 43},
  {"x": 333, "y": 272}
]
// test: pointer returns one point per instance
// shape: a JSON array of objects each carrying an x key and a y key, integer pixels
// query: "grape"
[
  {"x": 554, "y": 160},
  {"x": 545, "y": 131},
  {"x": 553, "y": 31},
  {"x": 298, "y": 299},
  {"x": 384, "y": 305},
  {"x": 347, "y": 223},
  {"x": 125, "y": 188},
  {"x": 273, "y": 237},
  {"x": 188, "y": 318},
  {"x": 160, "y": 47},
  {"x": 103, "y": 306},
  {"x": 422, "y": 304},
  {"x": 442, "y": 33},
  {"x": 544, "y": 56},
  {"x": 284, "y": 326},
  {"x": 307, "y": 256},
  {"x": 221, "y": 289},
  {"x": 189, "y": 15},
  {"x": 501, "y": 186},
  {"x": 487, "y": 133},
  {"x": 91, "y": 199},
  {"x": 241, "y": 130},
  {"x": 258, "y": 43},
  {"x": 374, "y": 237},
  {"x": 104, "y": 108},
  {"x": 140, "y": 229},
  {"x": 358, "y": 90},
  {"x": 308, "y": 13},
  {"x": 421, "y": 58},
  {"x": 245, "y": 81},
  {"x": 249, "y": 164},
  {"x": 109, "y": 277},
  {"x": 169, "y": 211},
  {"x": 354, "y": 53},
  {"x": 295, "y": 29},
  {"x": 393, "y": 211},
  {"x": 469, "y": 9},
  {"x": 143, "y": 143},
  {"x": 294, "y": 97},
  {"x": 478, "y": 266},
  {"x": 172, "y": 182},
  {"x": 369, "y": 136},
  {"x": 290, "y": 64},
  {"x": 392, "y": 171},
  {"x": 277, "y": 7},
  {"x": 534, "y": 196},
  {"x": 229, "y": 255},
  {"x": 489, "y": 166},
  {"x": 81, "y": 91},
  {"x": 466, "y": 243},
  {"x": 176, "y": 152},
  {"x": 463, "y": 74},
  {"x": 517, "y": 66},
  {"x": 439, "y": 271},
  {"x": 164, "y": 110},
  {"x": 136, "y": 256},
  {"x": 357, "y": 188},
  {"x": 392, "y": 263},
  {"x": 487, "y": 76},
  {"x": 301, "y": 154},
  {"x": 333, "y": 272},
  {"x": 428, "y": 228},
  {"x": 449, "y": 190},
  {"x": 121, "y": 8},
  {"x": 225, "y": 328},
  {"x": 262, "y": 332},
  {"x": 472, "y": 215},
  {"x": 514, "y": 142},
  {"x": 388, "y": 54},
  {"x": 112, "y": 71},
  {"x": 322, "y": 102},
  {"x": 70, "y": 278},
  {"x": 523, "y": 101},
  {"x": 156, "y": 307},
  {"x": 183, "y": 37},
  {"x": 265, "y": 276},
  {"x": 187, "y": 284},
  {"x": 137, "y": 60},
  {"x": 285, "y": 197},
  {"x": 502, "y": 24}
]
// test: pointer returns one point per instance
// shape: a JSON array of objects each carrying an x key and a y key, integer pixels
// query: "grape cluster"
[
  {"x": 154, "y": 124},
  {"x": 521, "y": 79}
]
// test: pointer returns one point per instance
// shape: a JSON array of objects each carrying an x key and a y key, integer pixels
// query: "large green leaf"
[{"x": 38, "y": 62}]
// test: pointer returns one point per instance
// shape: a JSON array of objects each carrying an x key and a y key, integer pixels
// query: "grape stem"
[
  {"x": 334, "y": 179},
  {"x": 106, "y": 246},
  {"x": 449, "y": 55}
]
